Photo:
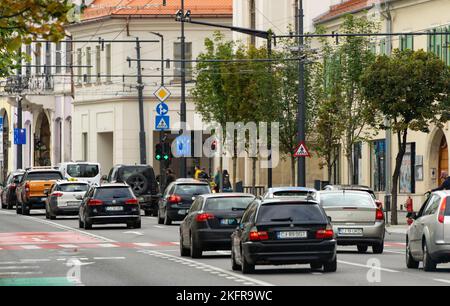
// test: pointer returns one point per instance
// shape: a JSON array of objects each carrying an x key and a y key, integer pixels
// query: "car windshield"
[
  {"x": 306, "y": 213},
  {"x": 112, "y": 193},
  {"x": 231, "y": 203},
  {"x": 73, "y": 187},
  {"x": 292, "y": 193},
  {"x": 44, "y": 176},
  {"x": 447, "y": 207},
  {"x": 193, "y": 189},
  {"x": 82, "y": 170},
  {"x": 346, "y": 199}
]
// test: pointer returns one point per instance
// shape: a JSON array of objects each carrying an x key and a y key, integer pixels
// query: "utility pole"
[
  {"x": 19, "y": 115},
  {"x": 269, "y": 138},
  {"x": 140, "y": 87},
  {"x": 301, "y": 164},
  {"x": 183, "y": 169}
]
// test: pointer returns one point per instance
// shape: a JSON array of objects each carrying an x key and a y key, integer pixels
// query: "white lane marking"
[
  {"x": 159, "y": 226},
  {"x": 144, "y": 244},
  {"x": 216, "y": 270},
  {"x": 35, "y": 260},
  {"x": 19, "y": 267},
  {"x": 30, "y": 247},
  {"x": 68, "y": 246},
  {"x": 108, "y": 258},
  {"x": 394, "y": 252},
  {"x": 19, "y": 273},
  {"x": 134, "y": 233},
  {"x": 107, "y": 245},
  {"x": 176, "y": 242},
  {"x": 442, "y": 280},
  {"x": 366, "y": 266}
]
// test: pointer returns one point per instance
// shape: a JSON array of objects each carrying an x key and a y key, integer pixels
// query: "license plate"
[
  {"x": 73, "y": 203},
  {"x": 182, "y": 212},
  {"x": 43, "y": 199},
  {"x": 228, "y": 222},
  {"x": 114, "y": 208},
  {"x": 292, "y": 235},
  {"x": 350, "y": 231}
]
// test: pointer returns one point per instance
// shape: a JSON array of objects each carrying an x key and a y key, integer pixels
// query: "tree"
[
  {"x": 21, "y": 21},
  {"x": 411, "y": 89}
]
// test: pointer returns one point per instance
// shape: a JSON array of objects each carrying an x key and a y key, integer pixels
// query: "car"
[
  {"x": 8, "y": 191},
  {"x": 81, "y": 171},
  {"x": 177, "y": 199},
  {"x": 210, "y": 222},
  {"x": 142, "y": 180},
  {"x": 356, "y": 219},
  {"x": 356, "y": 188},
  {"x": 62, "y": 198},
  {"x": 30, "y": 191},
  {"x": 283, "y": 192},
  {"x": 109, "y": 204},
  {"x": 428, "y": 237},
  {"x": 282, "y": 232}
]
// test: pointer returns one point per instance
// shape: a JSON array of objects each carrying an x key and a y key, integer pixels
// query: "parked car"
[
  {"x": 281, "y": 232},
  {"x": 62, "y": 199},
  {"x": 356, "y": 219},
  {"x": 287, "y": 192},
  {"x": 210, "y": 222},
  {"x": 81, "y": 171},
  {"x": 109, "y": 204},
  {"x": 8, "y": 191},
  {"x": 177, "y": 199},
  {"x": 428, "y": 237},
  {"x": 142, "y": 180},
  {"x": 356, "y": 188},
  {"x": 30, "y": 191}
]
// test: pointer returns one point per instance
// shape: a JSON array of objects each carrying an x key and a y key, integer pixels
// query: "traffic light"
[
  {"x": 166, "y": 152},
  {"x": 159, "y": 151}
]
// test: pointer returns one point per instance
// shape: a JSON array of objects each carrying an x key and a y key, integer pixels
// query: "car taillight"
[
  {"x": 379, "y": 215},
  {"x": 204, "y": 217},
  {"x": 326, "y": 233},
  {"x": 132, "y": 201},
  {"x": 93, "y": 202},
  {"x": 173, "y": 199},
  {"x": 27, "y": 188},
  {"x": 441, "y": 217},
  {"x": 57, "y": 194},
  {"x": 258, "y": 235}
]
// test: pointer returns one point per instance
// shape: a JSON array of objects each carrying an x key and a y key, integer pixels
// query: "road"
[{"x": 35, "y": 251}]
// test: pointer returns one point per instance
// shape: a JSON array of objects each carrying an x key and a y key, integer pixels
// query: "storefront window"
[
  {"x": 407, "y": 179},
  {"x": 379, "y": 165}
]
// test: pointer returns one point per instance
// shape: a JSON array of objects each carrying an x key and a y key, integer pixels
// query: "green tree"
[{"x": 411, "y": 89}]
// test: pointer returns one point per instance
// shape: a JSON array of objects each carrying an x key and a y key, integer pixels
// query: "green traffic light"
[
  {"x": 166, "y": 157},
  {"x": 158, "y": 157}
]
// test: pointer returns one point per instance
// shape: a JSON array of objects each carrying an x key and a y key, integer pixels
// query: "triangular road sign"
[{"x": 302, "y": 151}]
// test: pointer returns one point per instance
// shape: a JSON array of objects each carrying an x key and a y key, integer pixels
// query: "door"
[
  {"x": 426, "y": 222},
  {"x": 443, "y": 158}
]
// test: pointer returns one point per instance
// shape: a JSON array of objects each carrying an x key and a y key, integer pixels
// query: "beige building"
[{"x": 427, "y": 154}]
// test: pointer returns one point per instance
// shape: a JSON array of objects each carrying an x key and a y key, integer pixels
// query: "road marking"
[
  {"x": 394, "y": 252},
  {"x": 366, "y": 266},
  {"x": 19, "y": 267},
  {"x": 144, "y": 244},
  {"x": 68, "y": 246},
  {"x": 30, "y": 247},
  {"x": 19, "y": 273},
  {"x": 442, "y": 280},
  {"x": 159, "y": 226},
  {"x": 108, "y": 258},
  {"x": 108, "y": 245},
  {"x": 134, "y": 233},
  {"x": 35, "y": 260}
]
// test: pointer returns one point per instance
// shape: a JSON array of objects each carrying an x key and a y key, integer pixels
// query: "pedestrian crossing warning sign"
[
  {"x": 302, "y": 150},
  {"x": 162, "y": 123}
]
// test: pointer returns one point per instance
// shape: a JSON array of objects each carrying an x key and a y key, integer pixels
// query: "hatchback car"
[
  {"x": 428, "y": 237},
  {"x": 211, "y": 221},
  {"x": 281, "y": 232},
  {"x": 288, "y": 192},
  {"x": 356, "y": 188},
  {"x": 109, "y": 204},
  {"x": 356, "y": 219},
  {"x": 62, "y": 198},
  {"x": 177, "y": 199},
  {"x": 8, "y": 191}
]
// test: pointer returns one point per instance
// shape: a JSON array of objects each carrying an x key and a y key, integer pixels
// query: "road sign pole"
[{"x": 140, "y": 87}]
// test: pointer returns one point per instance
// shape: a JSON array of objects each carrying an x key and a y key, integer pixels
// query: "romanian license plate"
[
  {"x": 292, "y": 235},
  {"x": 73, "y": 203},
  {"x": 228, "y": 222},
  {"x": 350, "y": 232},
  {"x": 114, "y": 208},
  {"x": 182, "y": 211}
]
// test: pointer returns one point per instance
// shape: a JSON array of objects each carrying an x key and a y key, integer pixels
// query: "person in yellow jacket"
[{"x": 197, "y": 172}]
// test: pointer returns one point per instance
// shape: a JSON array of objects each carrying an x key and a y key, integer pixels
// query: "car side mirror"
[
  {"x": 330, "y": 219},
  {"x": 412, "y": 215},
  {"x": 46, "y": 192}
]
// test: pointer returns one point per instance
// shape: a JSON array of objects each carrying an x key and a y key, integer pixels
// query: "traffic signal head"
[{"x": 159, "y": 152}]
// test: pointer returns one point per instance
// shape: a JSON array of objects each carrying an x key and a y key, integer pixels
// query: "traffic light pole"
[
  {"x": 301, "y": 164},
  {"x": 183, "y": 165}
]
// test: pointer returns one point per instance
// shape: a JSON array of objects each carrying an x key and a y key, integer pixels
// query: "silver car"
[
  {"x": 356, "y": 219},
  {"x": 428, "y": 237}
]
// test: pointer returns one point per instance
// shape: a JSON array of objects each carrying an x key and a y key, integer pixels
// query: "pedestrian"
[
  {"x": 170, "y": 177},
  {"x": 197, "y": 172},
  {"x": 217, "y": 181},
  {"x": 446, "y": 184},
  {"x": 226, "y": 187}
]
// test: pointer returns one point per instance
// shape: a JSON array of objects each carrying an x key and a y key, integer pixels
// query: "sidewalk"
[{"x": 402, "y": 226}]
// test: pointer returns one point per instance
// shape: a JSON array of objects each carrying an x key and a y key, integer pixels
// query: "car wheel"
[
  {"x": 246, "y": 267},
  {"x": 147, "y": 213},
  {"x": 137, "y": 224},
  {"x": 378, "y": 248},
  {"x": 47, "y": 215},
  {"x": 80, "y": 223},
  {"x": 18, "y": 209},
  {"x": 184, "y": 252},
  {"x": 362, "y": 248},
  {"x": 9, "y": 206},
  {"x": 167, "y": 220},
  {"x": 160, "y": 220},
  {"x": 87, "y": 225},
  {"x": 25, "y": 210},
  {"x": 234, "y": 265},
  {"x": 316, "y": 266},
  {"x": 330, "y": 266},
  {"x": 428, "y": 264},
  {"x": 411, "y": 263},
  {"x": 138, "y": 183},
  {"x": 52, "y": 217},
  {"x": 196, "y": 251}
]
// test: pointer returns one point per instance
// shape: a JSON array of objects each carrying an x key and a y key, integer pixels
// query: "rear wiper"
[
  {"x": 237, "y": 208},
  {"x": 282, "y": 219}
]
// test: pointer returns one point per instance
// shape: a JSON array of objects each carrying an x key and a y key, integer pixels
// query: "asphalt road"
[{"x": 35, "y": 251}]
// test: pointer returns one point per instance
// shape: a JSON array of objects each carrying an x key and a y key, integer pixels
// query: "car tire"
[
  {"x": 411, "y": 263},
  {"x": 247, "y": 268},
  {"x": 87, "y": 225},
  {"x": 9, "y": 206},
  {"x": 196, "y": 251},
  {"x": 138, "y": 183},
  {"x": 80, "y": 223},
  {"x": 428, "y": 264},
  {"x": 47, "y": 215},
  {"x": 52, "y": 217},
  {"x": 234, "y": 265},
  {"x": 3, "y": 205},
  {"x": 184, "y": 252},
  {"x": 18, "y": 209},
  {"x": 316, "y": 266},
  {"x": 330, "y": 266},
  {"x": 160, "y": 220},
  {"x": 148, "y": 213},
  {"x": 167, "y": 220},
  {"x": 25, "y": 209},
  {"x": 137, "y": 224},
  {"x": 362, "y": 248},
  {"x": 378, "y": 248}
]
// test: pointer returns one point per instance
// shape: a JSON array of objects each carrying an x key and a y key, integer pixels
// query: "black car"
[
  {"x": 109, "y": 204},
  {"x": 177, "y": 199},
  {"x": 281, "y": 232},
  {"x": 8, "y": 191},
  {"x": 211, "y": 221},
  {"x": 142, "y": 180}
]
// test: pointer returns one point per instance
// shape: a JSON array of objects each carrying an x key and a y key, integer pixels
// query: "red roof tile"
[{"x": 344, "y": 8}]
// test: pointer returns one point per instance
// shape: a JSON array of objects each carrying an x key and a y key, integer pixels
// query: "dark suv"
[
  {"x": 142, "y": 180},
  {"x": 174, "y": 205}
]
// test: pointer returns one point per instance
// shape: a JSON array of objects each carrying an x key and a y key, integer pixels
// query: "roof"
[
  {"x": 278, "y": 189},
  {"x": 105, "y": 8},
  {"x": 66, "y": 182},
  {"x": 121, "y": 185},
  {"x": 226, "y": 195},
  {"x": 287, "y": 200},
  {"x": 43, "y": 170},
  {"x": 190, "y": 181},
  {"x": 343, "y": 191},
  {"x": 349, "y": 187},
  {"x": 347, "y": 7}
]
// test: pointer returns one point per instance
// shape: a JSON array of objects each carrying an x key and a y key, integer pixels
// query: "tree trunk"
[
  {"x": 350, "y": 168},
  {"x": 395, "y": 177},
  {"x": 293, "y": 183},
  {"x": 254, "y": 175},
  {"x": 221, "y": 174},
  {"x": 234, "y": 171}
]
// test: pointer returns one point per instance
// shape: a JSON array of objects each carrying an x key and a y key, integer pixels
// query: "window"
[
  {"x": 48, "y": 58},
  {"x": 37, "y": 58},
  {"x": 407, "y": 174},
  {"x": 73, "y": 187},
  {"x": 383, "y": 46},
  {"x": 69, "y": 58},
  {"x": 108, "y": 62},
  {"x": 406, "y": 42},
  {"x": 357, "y": 162},
  {"x": 432, "y": 206},
  {"x": 88, "y": 64},
  {"x": 58, "y": 57},
  {"x": 84, "y": 142},
  {"x": 439, "y": 44},
  {"x": 28, "y": 64},
  {"x": 79, "y": 63},
  {"x": 232, "y": 203},
  {"x": 379, "y": 165},
  {"x": 177, "y": 57},
  {"x": 82, "y": 170},
  {"x": 98, "y": 63},
  {"x": 291, "y": 213}
]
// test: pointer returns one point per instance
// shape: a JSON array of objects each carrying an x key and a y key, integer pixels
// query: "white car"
[
  {"x": 81, "y": 171},
  {"x": 64, "y": 198}
]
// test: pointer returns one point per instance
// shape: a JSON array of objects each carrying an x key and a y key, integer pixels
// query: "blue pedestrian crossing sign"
[
  {"x": 162, "y": 123},
  {"x": 162, "y": 109},
  {"x": 183, "y": 146},
  {"x": 20, "y": 136}
]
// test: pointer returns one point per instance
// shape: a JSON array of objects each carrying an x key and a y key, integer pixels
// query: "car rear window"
[
  {"x": 307, "y": 213},
  {"x": 73, "y": 187},
  {"x": 82, "y": 170},
  {"x": 44, "y": 176},
  {"x": 192, "y": 189},
  {"x": 447, "y": 207},
  {"x": 231, "y": 203},
  {"x": 346, "y": 199},
  {"x": 112, "y": 193},
  {"x": 292, "y": 193}
]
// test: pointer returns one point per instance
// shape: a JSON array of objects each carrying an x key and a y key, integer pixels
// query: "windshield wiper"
[{"x": 282, "y": 219}]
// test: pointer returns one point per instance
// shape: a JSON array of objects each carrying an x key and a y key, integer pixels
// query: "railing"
[{"x": 256, "y": 191}]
